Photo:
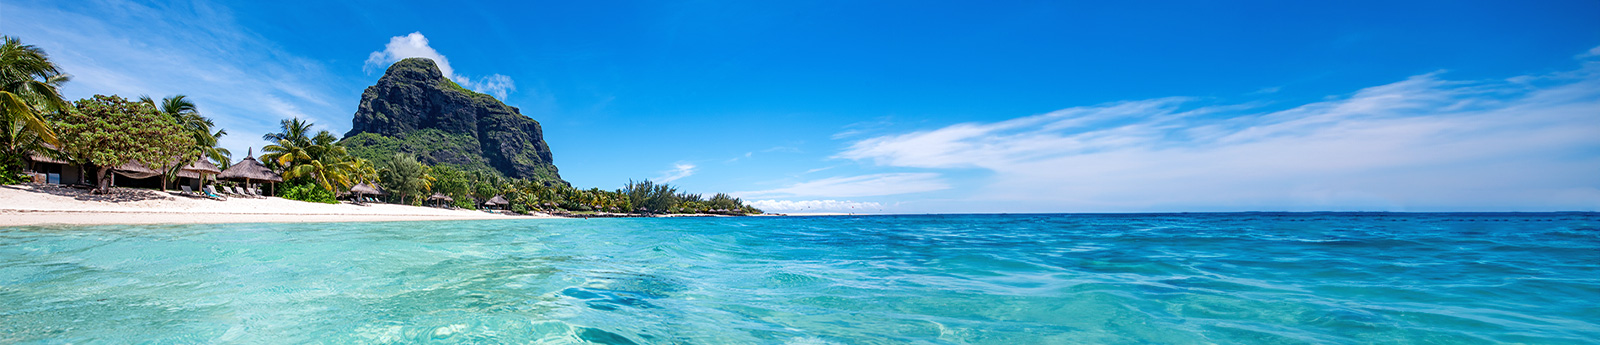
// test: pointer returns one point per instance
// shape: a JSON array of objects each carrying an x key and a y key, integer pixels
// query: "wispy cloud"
[
  {"x": 1531, "y": 142},
  {"x": 242, "y": 81},
  {"x": 679, "y": 170},
  {"x": 816, "y": 206},
  {"x": 864, "y": 127},
  {"x": 416, "y": 45},
  {"x": 857, "y": 186}
]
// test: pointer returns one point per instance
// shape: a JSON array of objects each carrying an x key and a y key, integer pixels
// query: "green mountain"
[{"x": 415, "y": 109}]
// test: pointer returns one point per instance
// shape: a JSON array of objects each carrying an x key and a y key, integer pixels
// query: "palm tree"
[
  {"x": 318, "y": 159},
  {"x": 294, "y": 130},
  {"x": 28, "y": 82},
  {"x": 405, "y": 176}
]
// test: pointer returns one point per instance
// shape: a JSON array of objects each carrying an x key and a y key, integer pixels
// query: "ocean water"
[{"x": 1250, "y": 278}]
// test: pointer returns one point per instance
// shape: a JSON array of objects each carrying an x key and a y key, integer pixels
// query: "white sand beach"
[{"x": 48, "y": 204}]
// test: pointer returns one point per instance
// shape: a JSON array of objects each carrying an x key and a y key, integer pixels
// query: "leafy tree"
[
  {"x": 108, "y": 131},
  {"x": 187, "y": 115},
  {"x": 28, "y": 82},
  {"x": 650, "y": 197},
  {"x": 405, "y": 177}
]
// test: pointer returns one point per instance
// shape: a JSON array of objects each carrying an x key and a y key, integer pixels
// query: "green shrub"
[{"x": 308, "y": 192}]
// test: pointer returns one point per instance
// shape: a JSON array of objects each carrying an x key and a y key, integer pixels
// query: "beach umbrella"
[
  {"x": 441, "y": 196},
  {"x": 363, "y": 188},
  {"x": 498, "y": 200},
  {"x": 199, "y": 170},
  {"x": 250, "y": 170}
]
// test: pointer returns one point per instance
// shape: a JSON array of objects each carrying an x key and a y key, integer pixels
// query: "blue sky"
[{"x": 910, "y": 107}]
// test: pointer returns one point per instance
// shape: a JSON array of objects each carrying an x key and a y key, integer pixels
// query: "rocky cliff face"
[{"x": 415, "y": 109}]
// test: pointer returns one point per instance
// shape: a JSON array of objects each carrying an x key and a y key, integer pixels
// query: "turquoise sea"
[{"x": 1243, "y": 278}]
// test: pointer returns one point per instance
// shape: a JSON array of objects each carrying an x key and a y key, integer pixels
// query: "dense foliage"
[
  {"x": 307, "y": 192},
  {"x": 109, "y": 131},
  {"x": 407, "y": 180}
]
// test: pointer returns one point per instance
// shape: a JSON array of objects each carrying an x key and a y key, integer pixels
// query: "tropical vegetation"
[
  {"x": 314, "y": 160},
  {"x": 105, "y": 132}
]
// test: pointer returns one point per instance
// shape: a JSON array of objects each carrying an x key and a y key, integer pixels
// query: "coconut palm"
[
  {"x": 318, "y": 159},
  {"x": 294, "y": 130},
  {"x": 28, "y": 82}
]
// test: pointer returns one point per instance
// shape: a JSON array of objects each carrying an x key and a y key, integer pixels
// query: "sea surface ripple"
[{"x": 1240, "y": 278}]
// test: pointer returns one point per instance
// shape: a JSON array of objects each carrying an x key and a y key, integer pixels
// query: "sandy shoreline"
[{"x": 22, "y": 205}]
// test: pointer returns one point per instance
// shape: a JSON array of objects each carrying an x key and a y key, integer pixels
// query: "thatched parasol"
[
  {"x": 362, "y": 188},
  {"x": 496, "y": 201},
  {"x": 441, "y": 196},
  {"x": 199, "y": 169},
  {"x": 250, "y": 170}
]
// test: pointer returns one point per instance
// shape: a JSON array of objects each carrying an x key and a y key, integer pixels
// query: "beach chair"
[
  {"x": 210, "y": 192},
  {"x": 187, "y": 190},
  {"x": 236, "y": 191},
  {"x": 256, "y": 192}
]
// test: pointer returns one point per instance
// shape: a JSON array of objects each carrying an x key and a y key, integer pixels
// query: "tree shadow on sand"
[{"x": 117, "y": 194}]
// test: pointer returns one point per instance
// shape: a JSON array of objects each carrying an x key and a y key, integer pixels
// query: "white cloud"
[
  {"x": 408, "y": 46},
  {"x": 1424, "y": 143},
  {"x": 416, "y": 45},
  {"x": 816, "y": 206},
  {"x": 494, "y": 84},
  {"x": 679, "y": 170},
  {"x": 857, "y": 186}
]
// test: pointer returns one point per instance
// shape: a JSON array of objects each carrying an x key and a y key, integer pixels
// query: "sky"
[{"x": 929, "y": 107}]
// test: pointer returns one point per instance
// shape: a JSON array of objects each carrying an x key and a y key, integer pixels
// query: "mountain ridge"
[{"x": 415, "y": 109}]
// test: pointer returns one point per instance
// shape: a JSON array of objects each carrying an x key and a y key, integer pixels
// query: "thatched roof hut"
[
  {"x": 135, "y": 170},
  {"x": 41, "y": 158},
  {"x": 250, "y": 170},
  {"x": 198, "y": 169},
  {"x": 362, "y": 188},
  {"x": 441, "y": 196},
  {"x": 497, "y": 200}
]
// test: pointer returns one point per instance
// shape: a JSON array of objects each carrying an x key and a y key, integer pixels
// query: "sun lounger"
[
  {"x": 212, "y": 192},
  {"x": 256, "y": 192}
]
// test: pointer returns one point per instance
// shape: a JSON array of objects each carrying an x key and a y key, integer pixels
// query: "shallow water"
[{"x": 993, "y": 279}]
